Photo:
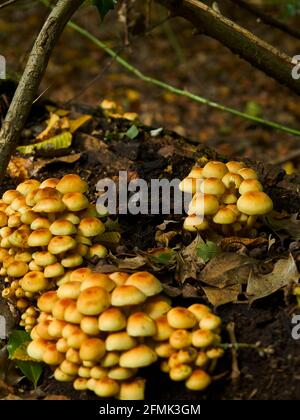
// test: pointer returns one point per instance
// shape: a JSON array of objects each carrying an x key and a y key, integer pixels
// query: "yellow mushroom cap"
[
  {"x": 59, "y": 244},
  {"x": 80, "y": 274},
  {"x": 84, "y": 372},
  {"x": 55, "y": 328},
  {"x": 93, "y": 301},
  {"x": 119, "y": 341},
  {"x": 140, "y": 325},
  {"x": 214, "y": 169},
  {"x": 210, "y": 322},
  {"x": 119, "y": 277},
  {"x": 71, "y": 183},
  {"x": 23, "y": 256},
  {"x": 181, "y": 318},
  {"x": 198, "y": 381},
  {"x": 47, "y": 192},
  {"x": 54, "y": 270},
  {"x": 164, "y": 350},
  {"x": 224, "y": 216},
  {"x": 62, "y": 227},
  {"x": 46, "y": 301},
  {"x": 212, "y": 186},
  {"x": 44, "y": 258},
  {"x": 249, "y": 185},
  {"x": 29, "y": 216},
  {"x": 112, "y": 319},
  {"x": 121, "y": 374},
  {"x": 49, "y": 205},
  {"x": 76, "y": 339},
  {"x": 98, "y": 279},
  {"x": 80, "y": 384},
  {"x": 199, "y": 310},
  {"x": 25, "y": 187},
  {"x": 134, "y": 390},
  {"x": 34, "y": 282},
  {"x": 89, "y": 325},
  {"x": 188, "y": 355},
  {"x": 17, "y": 204},
  {"x": 17, "y": 269},
  {"x": 110, "y": 359},
  {"x": 232, "y": 180},
  {"x": 98, "y": 372},
  {"x": 180, "y": 339},
  {"x": 247, "y": 173},
  {"x": 126, "y": 296},
  {"x": 71, "y": 217},
  {"x": 69, "y": 290},
  {"x": 52, "y": 356},
  {"x": 59, "y": 308},
  {"x": 62, "y": 345},
  {"x": 145, "y": 282},
  {"x": 202, "y": 338},
  {"x": 106, "y": 388},
  {"x": 234, "y": 166},
  {"x": 62, "y": 377},
  {"x": 196, "y": 172},
  {"x": 97, "y": 250},
  {"x": 75, "y": 201},
  {"x": 229, "y": 198},
  {"x": 255, "y": 203},
  {"x": 203, "y": 204},
  {"x": 202, "y": 359},
  {"x": 180, "y": 372},
  {"x": 3, "y": 219},
  {"x": 39, "y": 237},
  {"x": 190, "y": 185},
  {"x": 40, "y": 223},
  {"x": 9, "y": 196},
  {"x": 156, "y": 306},
  {"x": 91, "y": 226},
  {"x": 72, "y": 314},
  {"x": 50, "y": 182},
  {"x": 137, "y": 357},
  {"x": 163, "y": 329},
  {"x": 72, "y": 260},
  {"x": 92, "y": 350},
  {"x": 36, "y": 349},
  {"x": 195, "y": 223}
]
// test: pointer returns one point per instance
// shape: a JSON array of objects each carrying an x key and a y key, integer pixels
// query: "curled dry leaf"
[
  {"x": 235, "y": 243},
  {"x": 189, "y": 263},
  {"x": 290, "y": 225},
  {"x": 285, "y": 273}
]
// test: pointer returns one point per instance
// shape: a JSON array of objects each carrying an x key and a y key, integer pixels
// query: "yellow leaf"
[
  {"x": 52, "y": 125},
  {"x": 61, "y": 141},
  {"x": 75, "y": 124}
]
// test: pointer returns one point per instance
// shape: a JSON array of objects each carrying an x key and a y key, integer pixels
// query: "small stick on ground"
[{"x": 235, "y": 372}]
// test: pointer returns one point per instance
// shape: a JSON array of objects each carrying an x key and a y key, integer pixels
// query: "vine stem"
[{"x": 140, "y": 75}]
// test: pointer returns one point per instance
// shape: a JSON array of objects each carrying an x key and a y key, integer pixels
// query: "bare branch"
[
  {"x": 240, "y": 41},
  {"x": 7, "y": 3}
]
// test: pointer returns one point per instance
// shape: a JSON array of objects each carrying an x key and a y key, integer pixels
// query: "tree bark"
[
  {"x": 240, "y": 41},
  {"x": 31, "y": 78}
]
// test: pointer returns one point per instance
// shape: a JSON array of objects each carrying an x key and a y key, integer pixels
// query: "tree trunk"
[
  {"x": 31, "y": 78},
  {"x": 240, "y": 41}
]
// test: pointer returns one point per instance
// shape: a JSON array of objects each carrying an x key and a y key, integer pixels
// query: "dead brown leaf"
[
  {"x": 19, "y": 168},
  {"x": 218, "y": 297},
  {"x": 53, "y": 397},
  {"x": 235, "y": 243},
  {"x": 285, "y": 273},
  {"x": 188, "y": 262},
  {"x": 227, "y": 269}
]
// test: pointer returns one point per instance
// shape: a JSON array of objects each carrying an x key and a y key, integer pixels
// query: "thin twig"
[
  {"x": 7, "y": 3},
  {"x": 235, "y": 372},
  {"x": 290, "y": 156},
  {"x": 175, "y": 90}
]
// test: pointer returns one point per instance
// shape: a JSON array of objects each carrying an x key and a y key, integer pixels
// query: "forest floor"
[{"x": 98, "y": 151}]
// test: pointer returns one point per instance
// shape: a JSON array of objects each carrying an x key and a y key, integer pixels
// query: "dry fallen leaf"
[
  {"x": 189, "y": 263},
  {"x": 219, "y": 297},
  {"x": 227, "y": 269},
  {"x": 285, "y": 273},
  {"x": 19, "y": 168}
]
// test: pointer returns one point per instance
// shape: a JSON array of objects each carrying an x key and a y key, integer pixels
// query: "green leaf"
[
  {"x": 104, "y": 6},
  {"x": 208, "y": 251},
  {"x": 163, "y": 257},
  {"x": 132, "y": 132},
  {"x": 31, "y": 370},
  {"x": 16, "y": 346},
  {"x": 16, "y": 339},
  {"x": 61, "y": 141}
]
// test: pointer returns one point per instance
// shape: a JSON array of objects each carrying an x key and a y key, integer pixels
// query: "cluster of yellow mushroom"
[
  {"x": 46, "y": 229},
  {"x": 98, "y": 329},
  {"x": 226, "y": 197}
]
